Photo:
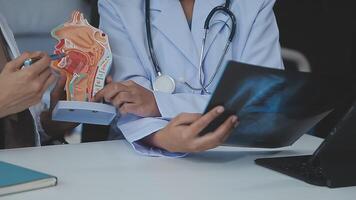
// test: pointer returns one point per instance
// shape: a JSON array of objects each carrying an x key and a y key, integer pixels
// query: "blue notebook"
[{"x": 14, "y": 179}]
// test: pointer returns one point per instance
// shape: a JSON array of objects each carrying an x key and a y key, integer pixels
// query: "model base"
[{"x": 84, "y": 112}]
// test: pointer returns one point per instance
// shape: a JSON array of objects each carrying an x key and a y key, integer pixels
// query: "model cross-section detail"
[{"x": 88, "y": 57}]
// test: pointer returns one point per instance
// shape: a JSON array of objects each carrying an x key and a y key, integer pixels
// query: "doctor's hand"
[
  {"x": 130, "y": 98},
  {"x": 182, "y": 134},
  {"x": 23, "y": 88}
]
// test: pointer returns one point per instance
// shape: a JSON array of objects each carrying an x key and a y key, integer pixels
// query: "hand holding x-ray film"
[{"x": 86, "y": 65}]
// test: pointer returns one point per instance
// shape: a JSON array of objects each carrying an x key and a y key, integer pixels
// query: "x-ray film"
[{"x": 275, "y": 107}]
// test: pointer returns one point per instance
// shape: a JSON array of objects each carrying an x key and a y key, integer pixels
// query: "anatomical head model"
[{"x": 88, "y": 57}]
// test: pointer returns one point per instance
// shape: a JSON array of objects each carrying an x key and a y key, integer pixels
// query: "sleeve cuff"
[
  {"x": 136, "y": 130},
  {"x": 141, "y": 128},
  {"x": 155, "y": 152}
]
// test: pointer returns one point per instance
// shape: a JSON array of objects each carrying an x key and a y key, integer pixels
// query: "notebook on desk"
[{"x": 15, "y": 179}]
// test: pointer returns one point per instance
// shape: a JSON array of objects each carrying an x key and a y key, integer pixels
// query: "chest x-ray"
[{"x": 275, "y": 107}]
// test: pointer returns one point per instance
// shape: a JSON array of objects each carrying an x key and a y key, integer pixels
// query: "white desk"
[{"x": 111, "y": 170}]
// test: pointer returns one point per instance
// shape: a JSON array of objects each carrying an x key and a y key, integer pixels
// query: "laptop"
[
  {"x": 275, "y": 107},
  {"x": 333, "y": 164}
]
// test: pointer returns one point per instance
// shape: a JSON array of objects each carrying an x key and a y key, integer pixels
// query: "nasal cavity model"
[{"x": 88, "y": 57}]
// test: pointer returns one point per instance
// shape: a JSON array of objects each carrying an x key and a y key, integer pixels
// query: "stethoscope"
[{"x": 165, "y": 83}]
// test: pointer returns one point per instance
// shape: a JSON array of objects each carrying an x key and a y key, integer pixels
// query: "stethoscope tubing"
[
  {"x": 149, "y": 40},
  {"x": 223, "y": 9}
]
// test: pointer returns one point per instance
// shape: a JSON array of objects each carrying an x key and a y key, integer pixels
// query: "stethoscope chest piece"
[{"x": 164, "y": 83}]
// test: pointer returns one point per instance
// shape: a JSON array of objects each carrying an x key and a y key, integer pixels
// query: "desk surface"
[{"x": 111, "y": 170}]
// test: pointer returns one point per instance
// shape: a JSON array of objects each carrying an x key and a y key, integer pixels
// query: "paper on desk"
[{"x": 88, "y": 59}]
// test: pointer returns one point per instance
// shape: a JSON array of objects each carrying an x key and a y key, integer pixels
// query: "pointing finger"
[
  {"x": 109, "y": 79},
  {"x": 99, "y": 96}
]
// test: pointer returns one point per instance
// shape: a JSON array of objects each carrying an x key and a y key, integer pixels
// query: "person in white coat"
[
  {"x": 24, "y": 119},
  {"x": 176, "y": 30}
]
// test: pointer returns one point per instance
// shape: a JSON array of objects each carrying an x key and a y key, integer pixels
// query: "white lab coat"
[
  {"x": 178, "y": 49},
  {"x": 14, "y": 52}
]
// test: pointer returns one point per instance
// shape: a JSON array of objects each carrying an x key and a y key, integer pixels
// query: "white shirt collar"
[{"x": 9, "y": 37}]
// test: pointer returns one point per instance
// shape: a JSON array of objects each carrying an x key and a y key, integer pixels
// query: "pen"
[{"x": 53, "y": 57}]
